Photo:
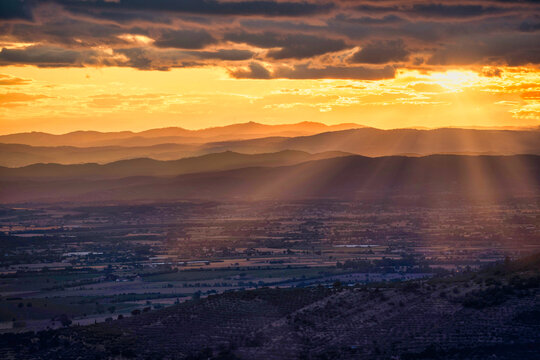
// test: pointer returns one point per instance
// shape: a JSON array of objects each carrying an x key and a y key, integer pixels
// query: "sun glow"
[
  {"x": 111, "y": 99},
  {"x": 136, "y": 39},
  {"x": 454, "y": 80}
]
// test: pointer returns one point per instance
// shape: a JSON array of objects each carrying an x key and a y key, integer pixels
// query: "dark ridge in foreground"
[{"x": 493, "y": 313}]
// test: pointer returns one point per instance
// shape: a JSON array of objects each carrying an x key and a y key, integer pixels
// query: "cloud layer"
[{"x": 265, "y": 39}]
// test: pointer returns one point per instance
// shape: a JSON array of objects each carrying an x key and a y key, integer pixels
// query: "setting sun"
[{"x": 455, "y": 79}]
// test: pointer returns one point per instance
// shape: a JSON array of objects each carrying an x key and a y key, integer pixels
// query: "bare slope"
[{"x": 490, "y": 314}]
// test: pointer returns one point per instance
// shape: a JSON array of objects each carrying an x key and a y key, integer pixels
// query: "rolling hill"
[
  {"x": 18, "y": 155},
  {"x": 248, "y": 130},
  {"x": 375, "y": 142},
  {"x": 149, "y": 167},
  {"x": 351, "y": 177},
  {"x": 364, "y": 141}
]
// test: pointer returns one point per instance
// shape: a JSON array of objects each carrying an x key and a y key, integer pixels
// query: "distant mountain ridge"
[
  {"x": 18, "y": 155},
  {"x": 248, "y": 130},
  {"x": 362, "y": 141},
  {"x": 376, "y": 142}
]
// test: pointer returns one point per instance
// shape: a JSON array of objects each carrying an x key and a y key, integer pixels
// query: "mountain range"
[
  {"x": 45, "y": 148},
  {"x": 149, "y": 167},
  {"x": 350, "y": 177},
  {"x": 250, "y": 130},
  {"x": 256, "y": 161}
]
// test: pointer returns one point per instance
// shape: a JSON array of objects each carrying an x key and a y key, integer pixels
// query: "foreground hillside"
[
  {"x": 478, "y": 315},
  {"x": 483, "y": 177}
]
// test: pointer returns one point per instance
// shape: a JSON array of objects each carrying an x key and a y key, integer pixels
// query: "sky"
[{"x": 112, "y": 65}]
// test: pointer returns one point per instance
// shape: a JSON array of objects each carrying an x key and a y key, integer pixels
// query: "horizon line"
[{"x": 359, "y": 126}]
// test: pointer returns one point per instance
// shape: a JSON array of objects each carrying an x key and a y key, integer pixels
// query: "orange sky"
[
  {"x": 59, "y": 100},
  {"x": 69, "y": 65}
]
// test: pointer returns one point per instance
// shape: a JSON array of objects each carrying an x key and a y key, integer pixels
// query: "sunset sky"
[{"x": 114, "y": 65}]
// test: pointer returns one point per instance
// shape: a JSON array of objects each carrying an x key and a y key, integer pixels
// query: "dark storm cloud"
[
  {"x": 223, "y": 54},
  {"x": 207, "y": 7},
  {"x": 70, "y": 32},
  {"x": 429, "y": 31},
  {"x": 518, "y": 1},
  {"x": 292, "y": 46},
  {"x": 305, "y": 71},
  {"x": 513, "y": 50},
  {"x": 15, "y": 9},
  {"x": 529, "y": 26},
  {"x": 380, "y": 52},
  {"x": 455, "y": 11},
  {"x": 437, "y": 10},
  {"x": 151, "y": 59},
  {"x": 44, "y": 56},
  {"x": 139, "y": 58},
  {"x": 368, "y": 20},
  {"x": 136, "y": 57},
  {"x": 123, "y": 17},
  {"x": 336, "y": 72},
  {"x": 376, "y": 9},
  {"x": 185, "y": 39},
  {"x": 281, "y": 34}
]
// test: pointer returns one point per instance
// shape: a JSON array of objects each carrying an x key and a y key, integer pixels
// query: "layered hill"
[
  {"x": 363, "y": 141},
  {"x": 149, "y": 167},
  {"x": 376, "y": 142},
  {"x": 248, "y": 130},
  {"x": 493, "y": 313},
  {"x": 351, "y": 177},
  {"x": 17, "y": 155}
]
